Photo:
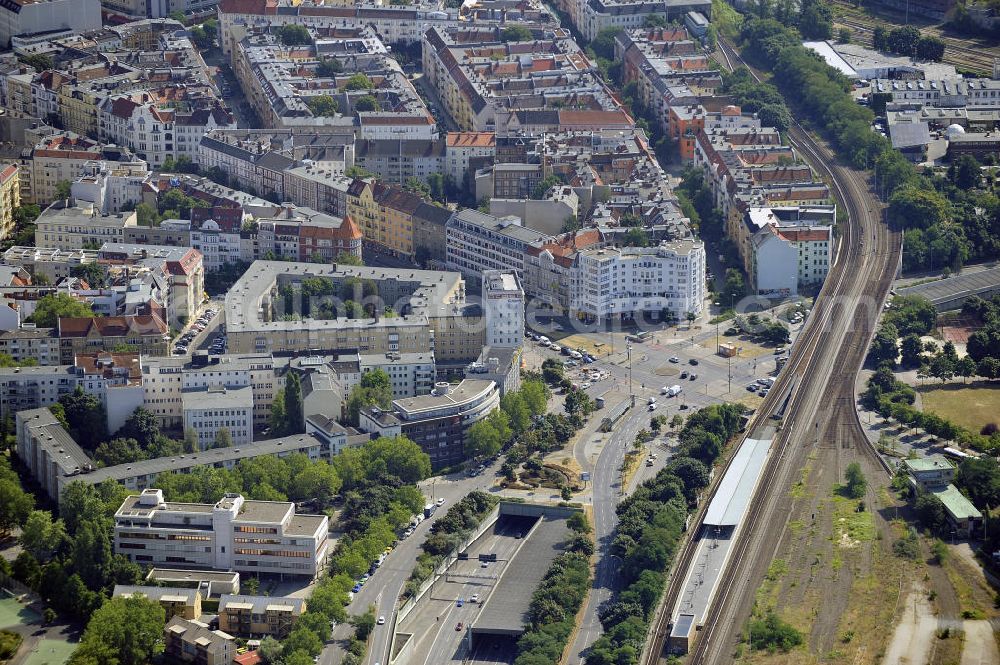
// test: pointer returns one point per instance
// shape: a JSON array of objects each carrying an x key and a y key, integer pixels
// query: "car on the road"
[
  {"x": 674, "y": 359},
  {"x": 356, "y": 588},
  {"x": 652, "y": 407},
  {"x": 693, "y": 361},
  {"x": 649, "y": 462},
  {"x": 484, "y": 564},
  {"x": 684, "y": 374},
  {"x": 585, "y": 385},
  {"x": 475, "y": 598},
  {"x": 519, "y": 535},
  {"x": 694, "y": 376},
  {"x": 380, "y": 621},
  {"x": 460, "y": 602},
  {"x": 459, "y": 625},
  {"x": 440, "y": 501},
  {"x": 664, "y": 390}
]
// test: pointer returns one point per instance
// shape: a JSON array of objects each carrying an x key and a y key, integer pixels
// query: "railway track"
[
  {"x": 860, "y": 276},
  {"x": 964, "y": 53}
]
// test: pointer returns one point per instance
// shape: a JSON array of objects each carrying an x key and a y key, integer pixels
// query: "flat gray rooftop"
[
  {"x": 738, "y": 484},
  {"x": 506, "y": 609},
  {"x": 945, "y": 291}
]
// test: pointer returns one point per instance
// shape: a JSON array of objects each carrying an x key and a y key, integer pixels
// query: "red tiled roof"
[{"x": 111, "y": 326}]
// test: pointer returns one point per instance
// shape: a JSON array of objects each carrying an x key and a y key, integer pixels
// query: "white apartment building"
[
  {"x": 77, "y": 226},
  {"x": 28, "y": 17},
  {"x": 592, "y": 16},
  {"x": 626, "y": 281},
  {"x": 24, "y": 388},
  {"x": 262, "y": 537},
  {"x": 410, "y": 374},
  {"x": 166, "y": 379},
  {"x": 477, "y": 242},
  {"x": 786, "y": 258},
  {"x": 65, "y": 157},
  {"x": 116, "y": 380},
  {"x": 40, "y": 344},
  {"x": 110, "y": 186},
  {"x": 503, "y": 300},
  {"x": 209, "y": 410}
]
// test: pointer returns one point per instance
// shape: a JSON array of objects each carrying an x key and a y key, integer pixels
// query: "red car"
[{"x": 459, "y": 625}]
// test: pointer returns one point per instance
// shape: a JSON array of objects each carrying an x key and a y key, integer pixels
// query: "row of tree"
[
  {"x": 892, "y": 398},
  {"x": 556, "y": 601},
  {"x": 907, "y": 40},
  {"x": 447, "y": 533},
  {"x": 650, "y": 525},
  {"x": 513, "y": 420}
]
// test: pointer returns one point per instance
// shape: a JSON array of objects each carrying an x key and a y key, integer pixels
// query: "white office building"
[
  {"x": 211, "y": 409},
  {"x": 667, "y": 280},
  {"x": 262, "y": 537},
  {"x": 503, "y": 300}
]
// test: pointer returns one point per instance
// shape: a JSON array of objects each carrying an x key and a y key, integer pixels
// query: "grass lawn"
[
  {"x": 13, "y": 613},
  {"x": 970, "y": 406}
]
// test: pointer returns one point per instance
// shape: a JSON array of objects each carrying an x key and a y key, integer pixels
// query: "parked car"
[
  {"x": 459, "y": 625},
  {"x": 693, "y": 361},
  {"x": 684, "y": 374},
  {"x": 380, "y": 621},
  {"x": 674, "y": 359}
]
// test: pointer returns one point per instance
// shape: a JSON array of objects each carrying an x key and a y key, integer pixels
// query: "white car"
[
  {"x": 585, "y": 385},
  {"x": 440, "y": 501},
  {"x": 381, "y": 621}
]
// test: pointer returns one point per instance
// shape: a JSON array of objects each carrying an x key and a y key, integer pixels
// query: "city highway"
[
  {"x": 385, "y": 586},
  {"x": 822, "y": 370}
]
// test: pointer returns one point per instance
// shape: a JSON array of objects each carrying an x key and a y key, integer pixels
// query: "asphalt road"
[{"x": 385, "y": 586}]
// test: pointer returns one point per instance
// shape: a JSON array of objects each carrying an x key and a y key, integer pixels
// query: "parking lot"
[{"x": 206, "y": 333}]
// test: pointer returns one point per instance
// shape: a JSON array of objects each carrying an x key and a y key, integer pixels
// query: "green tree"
[
  {"x": 318, "y": 481},
  {"x": 517, "y": 411},
  {"x": 635, "y": 237},
  {"x": 302, "y": 639},
  {"x": 146, "y": 215},
  {"x": 124, "y": 631},
  {"x": 968, "y": 172},
  {"x": 93, "y": 273},
  {"x": 41, "y": 536},
  {"x": 366, "y": 103},
  {"x": 294, "y": 35},
  {"x": 293, "y": 404},
  {"x": 844, "y": 35},
  {"x": 91, "y": 553},
  {"x": 359, "y": 81},
  {"x": 417, "y": 186},
  {"x": 191, "y": 443},
  {"x": 348, "y": 259},
  {"x": 542, "y": 187},
  {"x": 119, "y": 451},
  {"x": 85, "y": 416},
  {"x": 223, "y": 439},
  {"x": 515, "y": 33},
  {"x": 329, "y": 67},
  {"x": 911, "y": 349},
  {"x": 856, "y": 485},
  {"x": 374, "y": 389},
  {"x": 15, "y": 504},
  {"x": 279, "y": 417},
  {"x": 932, "y": 513},
  {"x": 63, "y": 190},
  {"x": 535, "y": 395},
  {"x": 913, "y": 207},
  {"x": 322, "y": 105},
  {"x": 482, "y": 440},
  {"x": 54, "y": 306},
  {"x": 270, "y": 650}
]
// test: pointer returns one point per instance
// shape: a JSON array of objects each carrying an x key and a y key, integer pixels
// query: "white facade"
[
  {"x": 477, "y": 242},
  {"x": 410, "y": 374},
  {"x": 623, "y": 281},
  {"x": 165, "y": 380},
  {"x": 786, "y": 258},
  {"x": 28, "y": 17},
  {"x": 503, "y": 302},
  {"x": 218, "y": 245},
  {"x": 209, "y": 410},
  {"x": 234, "y": 534}
]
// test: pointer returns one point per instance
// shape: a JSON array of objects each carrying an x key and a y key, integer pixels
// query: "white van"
[{"x": 674, "y": 391}]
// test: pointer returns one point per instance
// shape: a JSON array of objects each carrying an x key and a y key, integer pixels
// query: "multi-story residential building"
[
  {"x": 38, "y": 344},
  {"x": 33, "y": 387},
  {"x": 138, "y": 9},
  {"x": 302, "y": 234},
  {"x": 55, "y": 460},
  {"x": 503, "y": 300},
  {"x": 477, "y": 242},
  {"x": 158, "y": 127},
  {"x": 190, "y": 641},
  {"x": 25, "y": 18},
  {"x": 145, "y": 333},
  {"x": 180, "y": 603},
  {"x": 548, "y": 267},
  {"x": 80, "y": 226},
  {"x": 485, "y": 81},
  {"x": 283, "y": 84},
  {"x": 210, "y": 410},
  {"x": 180, "y": 268},
  {"x": 592, "y": 16},
  {"x": 10, "y": 197},
  {"x": 785, "y": 247},
  {"x": 467, "y": 151},
  {"x": 432, "y": 313},
  {"x": 216, "y": 233},
  {"x": 111, "y": 186},
  {"x": 667, "y": 281},
  {"x": 259, "y": 616},
  {"x": 116, "y": 380},
  {"x": 263, "y": 537},
  {"x": 64, "y": 157},
  {"x": 438, "y": 422}
]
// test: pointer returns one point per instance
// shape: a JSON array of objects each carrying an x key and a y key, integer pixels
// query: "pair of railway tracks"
[{"x": 827, "y": 349}]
